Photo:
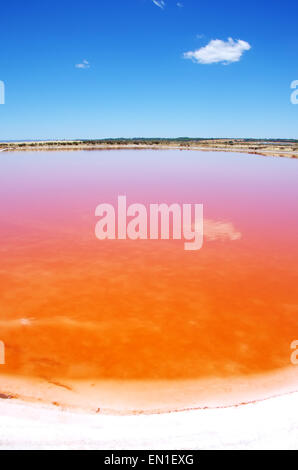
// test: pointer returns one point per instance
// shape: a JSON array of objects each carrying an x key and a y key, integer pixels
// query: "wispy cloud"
[
  {"x": 217, "y": 230},
  {"x": 218, "y": 51},
  {"x": 159, "y": 3},
  {"x": 84, "y": 65},
  {"x": 179, "y": 4}
]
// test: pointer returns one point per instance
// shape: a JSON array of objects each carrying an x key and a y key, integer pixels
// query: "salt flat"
[{"x": 270, "y": 424}]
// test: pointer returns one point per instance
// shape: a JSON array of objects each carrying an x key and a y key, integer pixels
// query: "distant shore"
[{"x": 282, "y": 148}]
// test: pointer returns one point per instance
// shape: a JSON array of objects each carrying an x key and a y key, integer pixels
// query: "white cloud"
[
  {"x": 84, "y": 65},
  {"x": 179, "y": 4},
  {"x": 159, "y": 3},
  {"x": 219, "y": 51}
]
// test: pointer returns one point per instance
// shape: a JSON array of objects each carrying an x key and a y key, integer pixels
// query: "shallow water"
[{"x": 73, "y": 307}]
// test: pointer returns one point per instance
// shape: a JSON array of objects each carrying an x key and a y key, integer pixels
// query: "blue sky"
[{"x": 136, "y": 79}]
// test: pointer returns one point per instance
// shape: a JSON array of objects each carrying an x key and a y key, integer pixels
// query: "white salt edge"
[{"x": 268, "y": 424}]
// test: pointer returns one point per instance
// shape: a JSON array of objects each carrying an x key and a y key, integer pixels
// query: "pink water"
[{"x": 74, "y": 307}]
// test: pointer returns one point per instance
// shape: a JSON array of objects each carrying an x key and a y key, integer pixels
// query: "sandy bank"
[{"x": 261, "y": 150}]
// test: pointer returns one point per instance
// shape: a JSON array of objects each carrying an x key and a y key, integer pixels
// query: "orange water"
[{"x": 75, "y": 307}]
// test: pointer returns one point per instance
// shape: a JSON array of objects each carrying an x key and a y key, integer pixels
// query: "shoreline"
[
  {"x": 270, "y": 424},
  {"x": 118, "y": 398},
  {"x": 251, "y": 149}
]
